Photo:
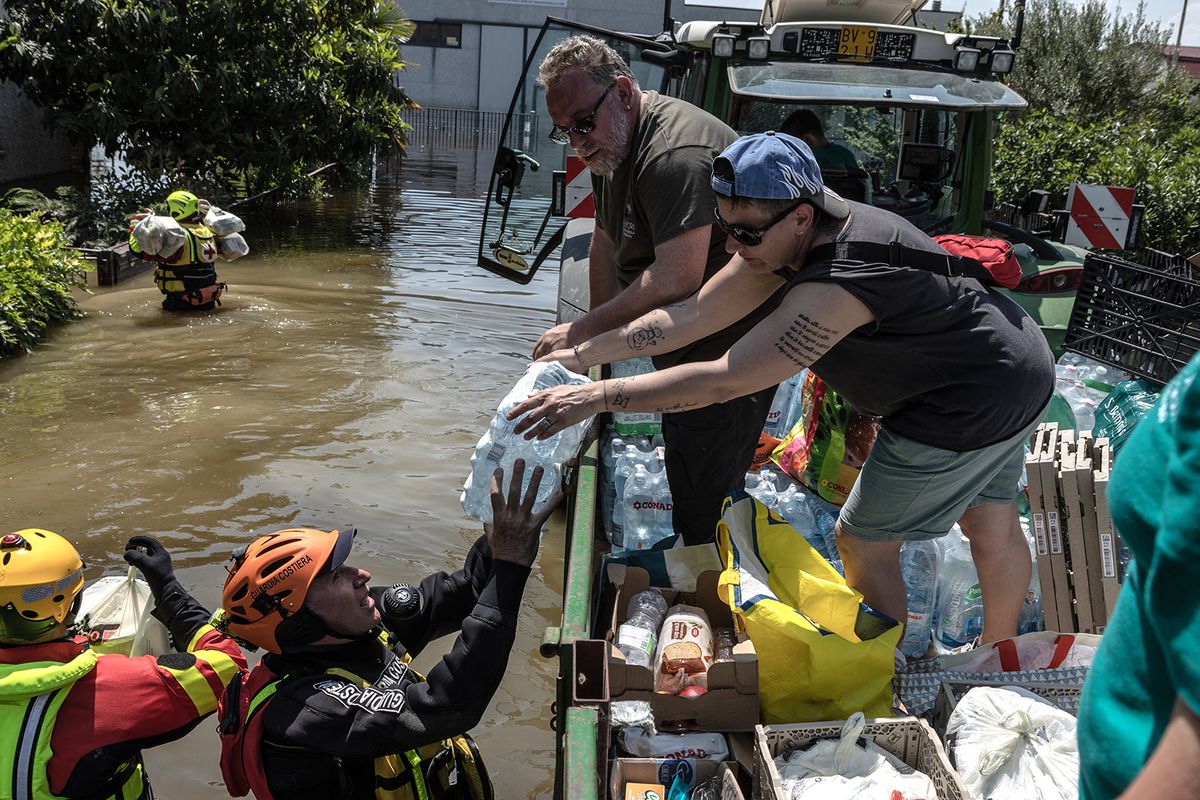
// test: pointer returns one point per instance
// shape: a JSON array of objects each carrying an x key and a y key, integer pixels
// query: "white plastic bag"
[
  {"x": 232, "y": 247},
  {"x": 843, "y": 769},
  {"x": 1008, "y": 742},
  {"x": 222, "y": 223},
  {"x": 159, "y": 236},
  {"x": 706, "y": 746},
  {"x": 114, "y": 615},
  {"x": 500, "y": 447}
]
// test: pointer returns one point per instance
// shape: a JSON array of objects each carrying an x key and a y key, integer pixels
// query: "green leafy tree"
[
  {"x": 1104, "y": 108},
  {"x": 252, "y": 92}
]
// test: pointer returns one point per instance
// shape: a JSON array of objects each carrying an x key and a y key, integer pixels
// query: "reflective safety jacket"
[
  {"x": 356, "y": 722},
  {"x": 73, "y": 724},
  {"x": 189, "y": 270}
]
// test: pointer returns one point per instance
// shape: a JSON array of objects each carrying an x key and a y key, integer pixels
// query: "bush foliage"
[
  {"x": 37, "y": 272},
  {"x": 1105, "y": 107}
]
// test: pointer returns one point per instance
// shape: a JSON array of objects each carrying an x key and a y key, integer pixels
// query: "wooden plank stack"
[{"x": 1076, "y": 544}]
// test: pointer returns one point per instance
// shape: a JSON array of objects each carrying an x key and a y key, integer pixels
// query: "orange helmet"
[{"x": 263, "y": 599}]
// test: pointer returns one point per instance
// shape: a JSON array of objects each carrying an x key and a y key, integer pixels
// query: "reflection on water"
[{"x": 356, "y": 359}]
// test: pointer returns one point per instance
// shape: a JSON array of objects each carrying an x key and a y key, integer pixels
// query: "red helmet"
[{"x": 263, "y": 599}]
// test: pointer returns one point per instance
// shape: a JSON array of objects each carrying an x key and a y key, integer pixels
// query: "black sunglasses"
[
  {"x": 752, "y": 237},
  {"x": 583, "y": 127}
]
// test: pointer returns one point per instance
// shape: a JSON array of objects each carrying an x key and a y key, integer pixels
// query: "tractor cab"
[{"x": 898, "y": 116}]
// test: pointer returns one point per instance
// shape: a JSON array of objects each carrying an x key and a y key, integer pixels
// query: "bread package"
[{"x": 685, "y": 649}]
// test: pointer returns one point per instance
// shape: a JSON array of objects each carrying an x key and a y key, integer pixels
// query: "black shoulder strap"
[{"x": 898, "y": 255}]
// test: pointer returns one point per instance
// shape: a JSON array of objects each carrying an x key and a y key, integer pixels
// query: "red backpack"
[{"x": 989, "y": 261}]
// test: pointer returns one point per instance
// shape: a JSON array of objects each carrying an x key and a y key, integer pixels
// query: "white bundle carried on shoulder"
[
  {"x": 843, "y": 769},
  {"x": 158, "y": 235},
  {"x": 222, "y": 223},
  {"x": 500, "y": 447},
  {"x": 231, "y": 247},
  {"x": 1011, "y": 743},
  {"x": 114, "y": 615}
]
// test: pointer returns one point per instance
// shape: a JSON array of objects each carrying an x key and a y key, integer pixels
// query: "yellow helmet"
[
  {"x": 182, "y": 204},
  {"x": 40, "y": 576}
]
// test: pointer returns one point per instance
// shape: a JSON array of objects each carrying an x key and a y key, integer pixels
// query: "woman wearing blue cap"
[{"x": 959, "y": 374}]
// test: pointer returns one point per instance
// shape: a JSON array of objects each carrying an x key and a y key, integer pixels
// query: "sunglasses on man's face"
[
  {"x": 751, "y": 237},
  {"x": 583, "y": 127}
]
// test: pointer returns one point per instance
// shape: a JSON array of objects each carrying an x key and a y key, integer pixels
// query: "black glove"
[
  {"x": 154, "y": 564},
  {"x": 173, "y": 605}
]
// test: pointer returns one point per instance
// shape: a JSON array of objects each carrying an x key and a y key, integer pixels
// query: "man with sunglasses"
[
  {"x": 654, "y": 244},
  {"x": 959, "y": 374}
]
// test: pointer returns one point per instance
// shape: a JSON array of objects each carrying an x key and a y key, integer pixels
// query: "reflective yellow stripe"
[
  {"x": 414, "y": 761},
  {"x": 193, "y": 680}
]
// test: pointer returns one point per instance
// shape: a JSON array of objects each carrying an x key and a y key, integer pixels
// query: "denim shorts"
[{"x": 908, "y": 490}]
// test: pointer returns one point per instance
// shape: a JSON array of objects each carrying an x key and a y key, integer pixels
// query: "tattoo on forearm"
[
  {"x": 643, "y": 336},
  {"x": 620, "y": 399},
  {"x": 804, "y": 341},
  {"x": 682, "y": 405}
]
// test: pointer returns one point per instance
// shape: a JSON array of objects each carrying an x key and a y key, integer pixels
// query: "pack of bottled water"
[
  {"x": 647, "y": 509},
  {"x": 159, "y": 235},
  {"x": 635, "y": 423},
  {"x": 785, "y": 408},
  {"x": 222, "y": 223},
  {"x": 810, "y": 516},
  {"x": 231, "y": 247},
  {"x": 500, "y": 447},
  {"x": 1084, "y": 383},
  {"x": 619, "y": 458}
]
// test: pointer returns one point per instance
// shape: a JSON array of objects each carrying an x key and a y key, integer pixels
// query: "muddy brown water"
[{"x": 356, "y": 360}]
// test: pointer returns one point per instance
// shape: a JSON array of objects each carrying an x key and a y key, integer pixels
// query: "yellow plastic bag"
[{"x": 822, "y": 654}]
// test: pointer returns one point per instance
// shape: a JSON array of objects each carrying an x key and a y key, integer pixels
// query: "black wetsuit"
[{"x": 322, "y": 732}]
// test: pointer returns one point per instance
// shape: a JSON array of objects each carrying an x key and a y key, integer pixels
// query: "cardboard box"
[
  {"x": 1037, "y": 521},
  {"x": 1065, "y": 697},
  {"x": 908, "y": 738},
  {"x": 1072, "y": 523},
  {"x": 662, "y": 772},
  {"x": 1048, "y": 461},
  {"x": 1109, "y": 543},
  {"x": 1091, "y": 533},
  {"x": 731, "y": 702}
]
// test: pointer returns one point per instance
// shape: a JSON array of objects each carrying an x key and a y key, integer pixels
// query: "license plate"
[{"x": 857, "y": 40}]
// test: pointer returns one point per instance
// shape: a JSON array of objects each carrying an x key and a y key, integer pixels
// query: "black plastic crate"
[{"x": 1142, "y": 320}]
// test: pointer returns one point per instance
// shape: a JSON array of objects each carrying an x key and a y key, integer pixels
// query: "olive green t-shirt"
[{"x": 662, "y": 190}]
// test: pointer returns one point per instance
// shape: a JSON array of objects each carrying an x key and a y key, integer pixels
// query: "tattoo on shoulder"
[
  {"x": 620, "y": 399},
  {"x": 805, "y": 340},
  {"x": 643, "y": 336}
]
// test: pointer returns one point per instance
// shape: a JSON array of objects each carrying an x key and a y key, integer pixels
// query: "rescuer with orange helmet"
[{"x": 334, "y": 709}]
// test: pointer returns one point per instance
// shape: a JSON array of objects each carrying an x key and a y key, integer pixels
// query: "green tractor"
[{"x": 912, "y": 110}]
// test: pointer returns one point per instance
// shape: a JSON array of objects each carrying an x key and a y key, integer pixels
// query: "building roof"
[{"x": 1189, "y": 58}]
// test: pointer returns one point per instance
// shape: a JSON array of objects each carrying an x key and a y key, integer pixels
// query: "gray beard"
[{"x": 616, "y": 149}]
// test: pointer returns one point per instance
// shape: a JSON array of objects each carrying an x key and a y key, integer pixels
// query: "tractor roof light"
[
  {"x": 966, "y": 59},
  {"x": 1001, "y": 61},
  {"x": 722, "y": 45},
  {"x": 758, "y": 48}
]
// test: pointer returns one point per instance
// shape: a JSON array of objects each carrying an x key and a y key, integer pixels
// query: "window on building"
[{"x": 437, "y": 34}]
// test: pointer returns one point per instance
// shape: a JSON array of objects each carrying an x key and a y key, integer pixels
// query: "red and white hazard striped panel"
[
  {"x": 1098, "y": 215},
  {"x": 579, "y": 201}
]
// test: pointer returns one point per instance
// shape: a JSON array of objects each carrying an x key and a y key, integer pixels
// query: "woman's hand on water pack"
[
  {"x": 515, "y": 531},
  {"x": 551, "y": 411},
  {"x": 569, "y": 358}
]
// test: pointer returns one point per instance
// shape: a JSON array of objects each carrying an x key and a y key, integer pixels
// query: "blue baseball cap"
[{"x": 774, "y": 166}]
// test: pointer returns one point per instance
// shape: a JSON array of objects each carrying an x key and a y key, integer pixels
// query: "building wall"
[{"x": 472, "y": 76}]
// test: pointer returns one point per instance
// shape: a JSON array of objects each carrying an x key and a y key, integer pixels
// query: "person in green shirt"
[
  {"x": 1139, "y": 734},
  {"x": 806, "y": 126}
]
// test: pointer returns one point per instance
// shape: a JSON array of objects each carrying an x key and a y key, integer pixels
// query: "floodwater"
[{"x": 356, "y": 360}]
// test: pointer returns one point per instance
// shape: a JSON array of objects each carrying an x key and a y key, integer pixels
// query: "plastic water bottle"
[
  {"x": 1030, "y": 618},
  {"x": 793, "y": 507},
  {"x": 613, "y": 447},
  {"x": 637, "y": 636},
  {"x": 959, "y": 598},
  {"x": 919, "y": 565},
  {"x": 643, "y": 510},
  {"x": 761, "y": 486},
  {"x": 781, "y": 409},
  {"x": 499, "y": 447}
]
